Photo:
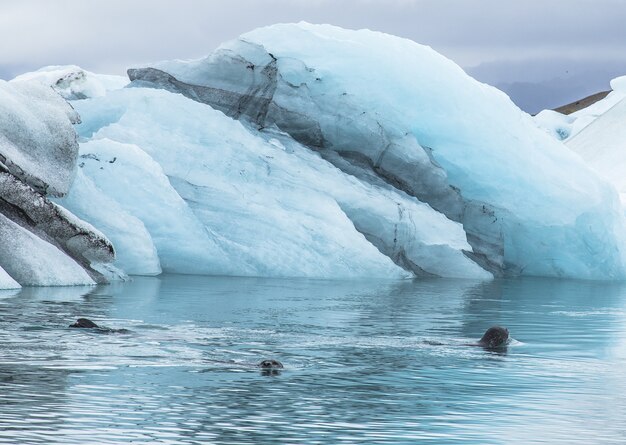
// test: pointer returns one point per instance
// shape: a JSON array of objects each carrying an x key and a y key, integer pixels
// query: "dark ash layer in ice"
[
  {"x": 355, "y": 140},
  {"x": 42, "y": 243}
]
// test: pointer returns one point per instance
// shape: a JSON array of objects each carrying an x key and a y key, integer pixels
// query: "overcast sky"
[{"x": 503, "y": 42}]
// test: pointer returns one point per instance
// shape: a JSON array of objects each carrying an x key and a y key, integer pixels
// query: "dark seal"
[
  {"x": 496, "y": 337},
  {"x": 270, "y": 364},
  {"x": 270, "y": 367},
  {"x": 84, "y": 323}
]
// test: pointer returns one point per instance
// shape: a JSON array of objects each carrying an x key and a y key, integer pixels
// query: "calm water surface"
[{"x": 360, "y": 363}]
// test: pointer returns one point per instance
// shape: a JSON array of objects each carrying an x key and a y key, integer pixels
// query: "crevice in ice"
[
  {"x": 8, "y": 166},
  {"x": 487, "y": 243},
  {"x": 429, "y": 153},
  {"x": 256, "y": 100},
  {"x": 397, "y": 255}
]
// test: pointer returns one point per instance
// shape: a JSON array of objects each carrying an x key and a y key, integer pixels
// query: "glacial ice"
[
  {"x": 37, "y": 141},
  {"x": 73, "y": 82},
  {"x": 602, "y": 144},
  {"x": 135, "y": 250},
  {"x": 254, "y": 203},
  {"x": 31, "y": 261},
  {"x": 42, "y": 243},
  {"x": 301, "y": 150},
  {"x": 182, "y": 242},
  {"x": 390, "y": 111},
  {"x": 563, "y": 127},
  {"x": 6, "y": 282}
]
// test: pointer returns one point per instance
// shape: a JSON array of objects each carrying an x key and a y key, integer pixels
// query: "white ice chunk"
[
  {"x": 6, "y": 282},
  {"x": 619, "y": 85},
  {"x": 131, "y": 177},
  {"x": 557, "y": 125},
  {"x": 37, "y": 140},
  {"x": 32, "y": 261},
  {"x": 73, "y": 82},
  {"x": 135, "y": 251},
  {"x": 603, "y": 146}
]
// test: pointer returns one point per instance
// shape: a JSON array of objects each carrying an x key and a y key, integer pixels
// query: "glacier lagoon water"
[{"x": 365, "y": 362}]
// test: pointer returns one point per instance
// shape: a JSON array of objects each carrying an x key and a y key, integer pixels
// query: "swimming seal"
[
  {"x": 495, "y": 337},
  {"x": 270, "y": 367},
  {"x": 84, "y": 323},
  {"x": 270, "y": 364}
]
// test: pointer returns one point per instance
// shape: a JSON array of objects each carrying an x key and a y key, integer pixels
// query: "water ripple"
[{"x": 365, "y": 362}]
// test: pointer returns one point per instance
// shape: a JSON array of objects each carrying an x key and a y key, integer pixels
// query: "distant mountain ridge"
[{"x": 582, "y": 103}]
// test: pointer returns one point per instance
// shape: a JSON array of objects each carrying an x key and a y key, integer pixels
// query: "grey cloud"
[
  {"x": 536, "y": 84},
  {"x": 115, "y": 30},
  {"x": 110, "y": 35}
]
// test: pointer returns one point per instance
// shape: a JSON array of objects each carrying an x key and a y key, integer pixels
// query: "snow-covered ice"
[
  {"x": 602, "y": 144},
  {"x": 37, "y": 141},
  {"x": 6, "y": 282},
  {"x": 597, "y": 133},
  {"x": 72, "y": 82},
  {"x": 42, "y": 243},
  {"x": 31, "y": 261}
]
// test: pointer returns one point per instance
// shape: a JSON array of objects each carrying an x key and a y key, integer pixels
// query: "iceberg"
[
  {"x": 397, "y": 116},
  {"x": 42, "y": 243},
  {"x": 221, "y": 198},
  {"x": 602, "y": 141},
  {"x": 6, "y": 282},
  {"x": 37, "y": 141},
  {"x": 73, "y": 82},
  {"x": 567, "y": 126},
  {"x": 300, "y": 150}
]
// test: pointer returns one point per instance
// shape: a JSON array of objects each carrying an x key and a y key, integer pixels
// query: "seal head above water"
[
  {"x": 270, "y": 367},
  {"x": 270, "y": 364},
  {"x": 84, "y": 323},
  {"x": 495, "y": 337}
]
